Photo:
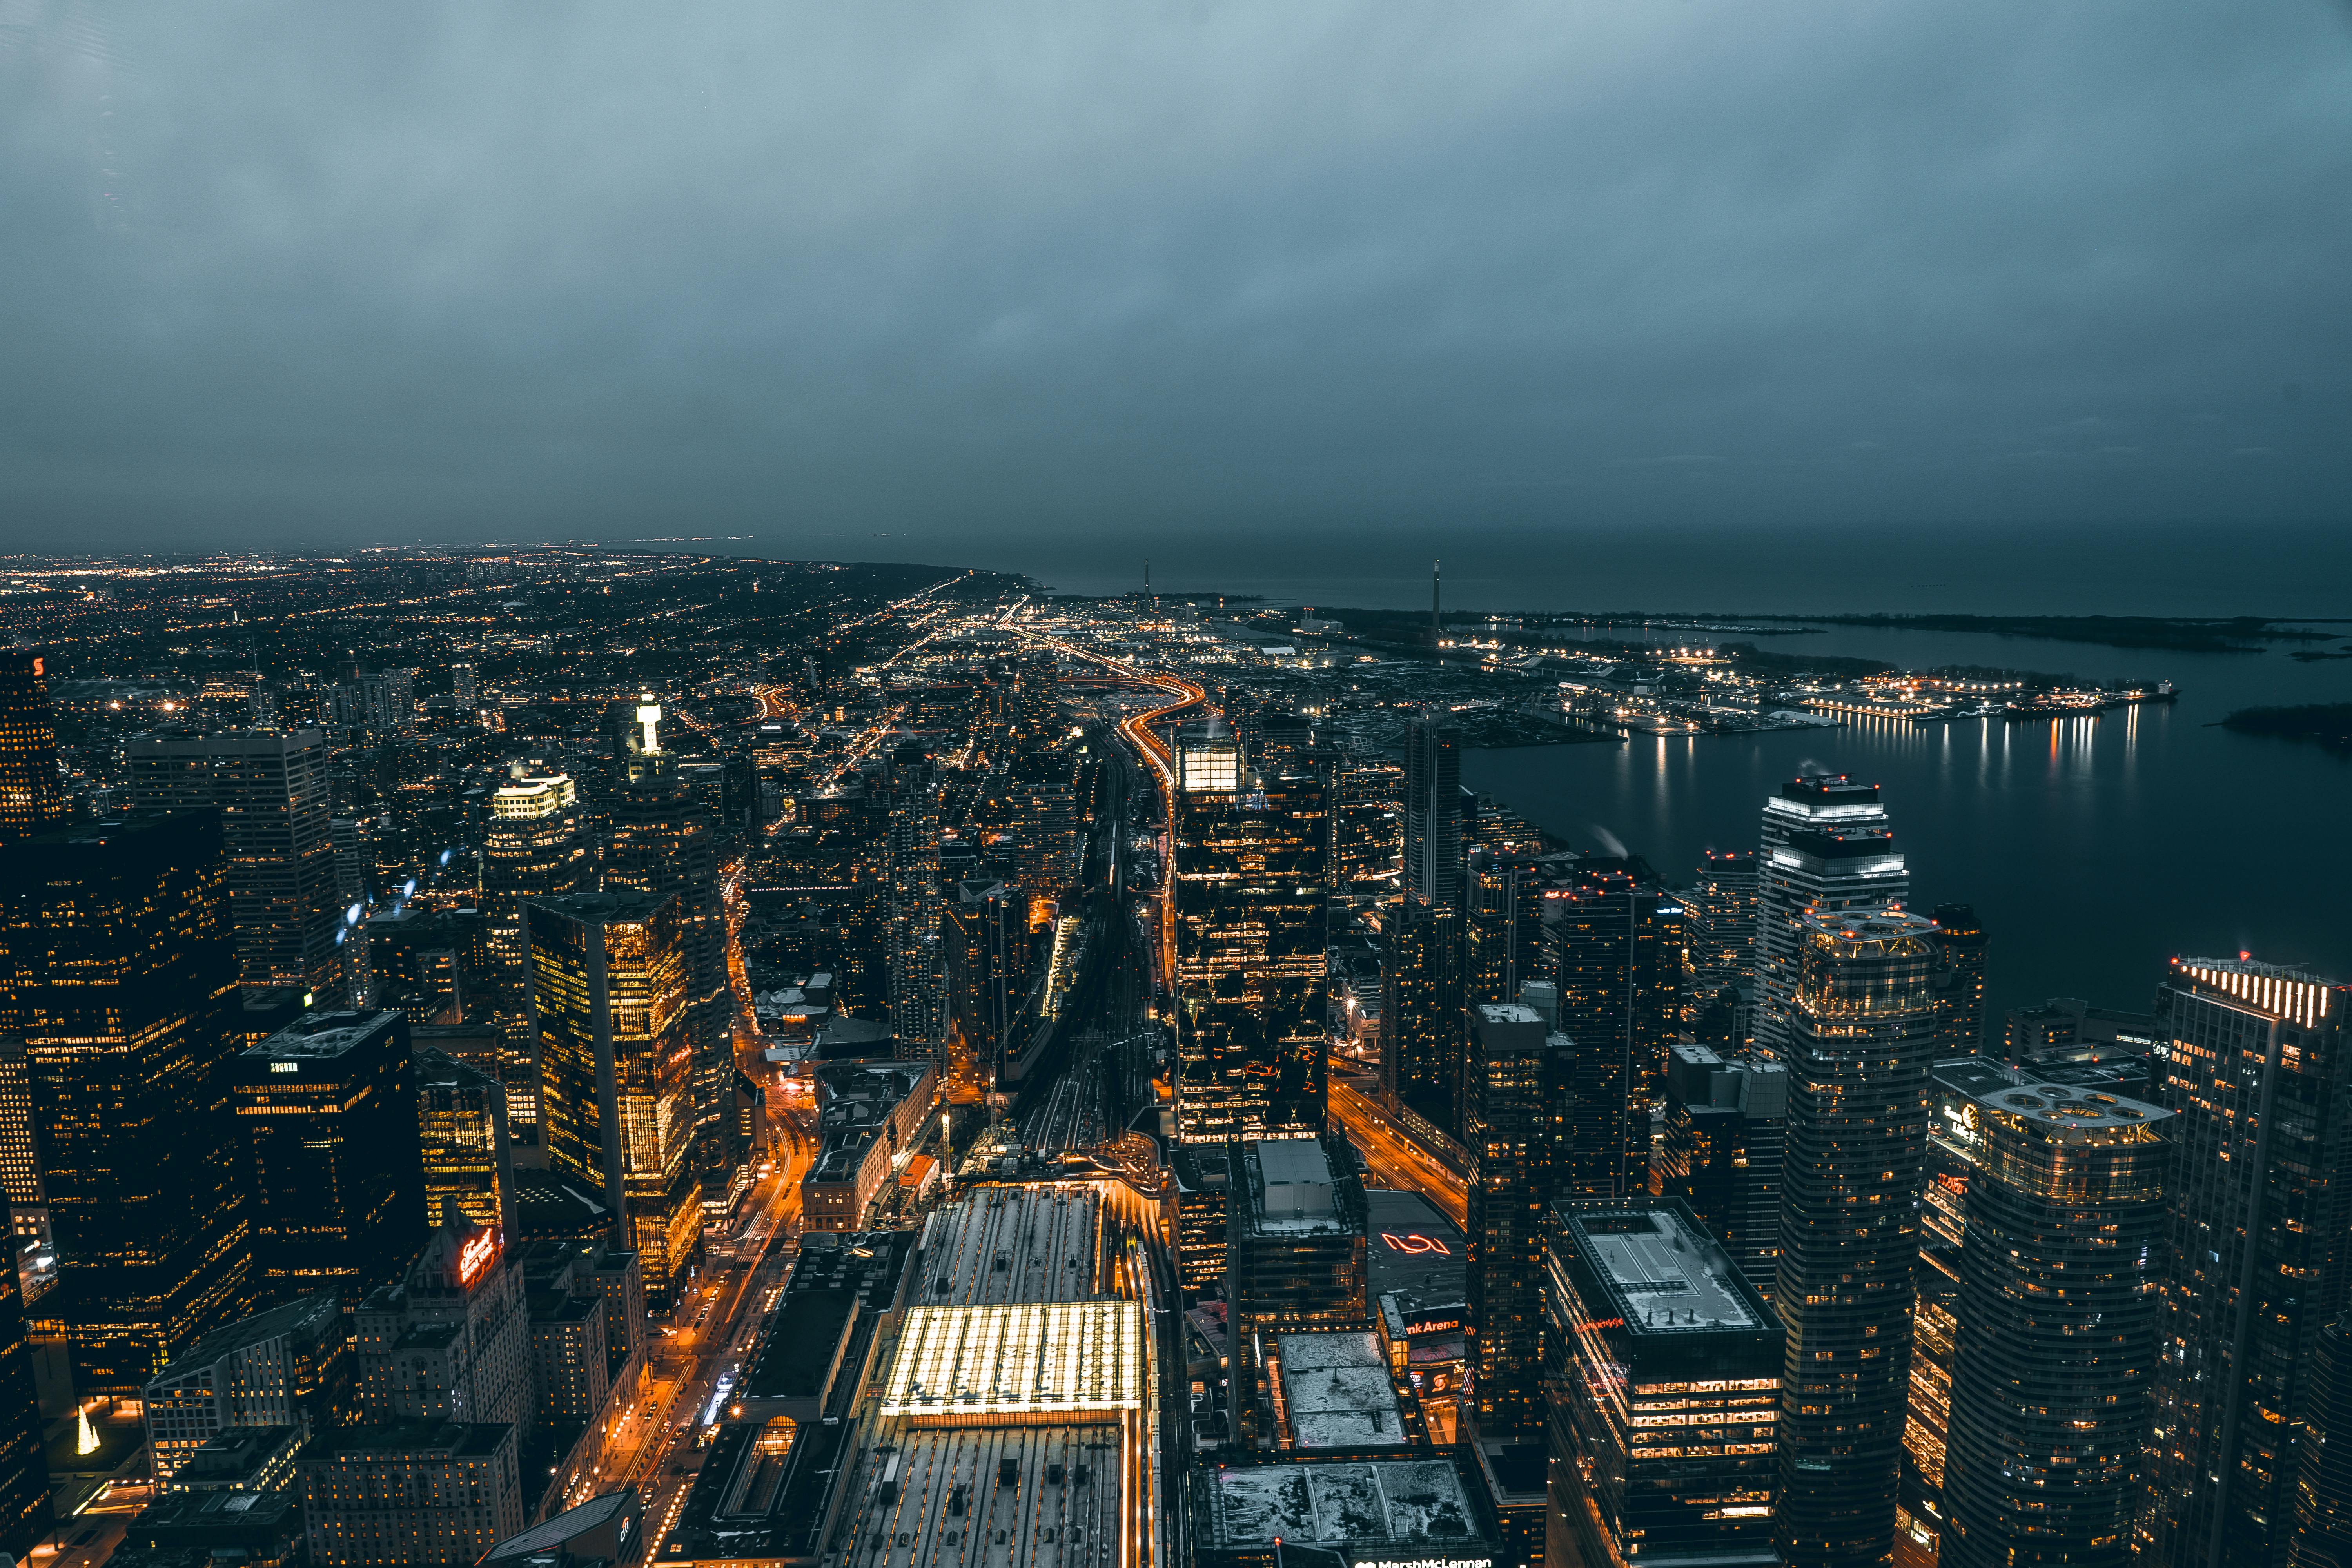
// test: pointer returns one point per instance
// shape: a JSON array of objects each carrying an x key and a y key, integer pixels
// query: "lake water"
[{"x": 2093, "y": 849}]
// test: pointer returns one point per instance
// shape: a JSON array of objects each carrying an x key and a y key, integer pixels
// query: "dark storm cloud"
[{"x": 951, "y": 272}]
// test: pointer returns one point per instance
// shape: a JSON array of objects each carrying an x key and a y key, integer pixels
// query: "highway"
[{"x": 1395, "y": 1159}]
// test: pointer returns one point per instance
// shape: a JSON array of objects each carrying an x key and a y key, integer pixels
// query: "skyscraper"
[
  {"x": 1433, "y": 811},
  {"x": 1960, "y": 980},
  {"x": 465, "y": 1147},
  {"x": 1663, "y": 1372},
  {"x": 1510, "y": 1124},
  {"x": 987, "y": 944},
  {"x": 1252, "y": 926},
  {"x": 118, "y": 971},
  {"x": 277, "y": 808},
  {"x": 1616, "y": 949},
  {"x": 664, "y": 846},
  {"x": 1727, "y": 1118},
  {"x": 608, "y": 1000},
  {"x": 1421, "y": 1009},
  {"x": 2323, "y": 1483},
  {"x": 327, "y": 1109},
  {"x": 1295, "y": 1238},
  {"x": 1826, "y": 848},
  {"x": 32, "y": 800},
  {"x": 1722, "y": 904},
  {"x": 1858, "y": 1056},
  {"x": 2256, "y": 1073},
  {"x": 535, "y": 846},
  {"x": 24, "y": 1473},
  {"x": 918, "y": 978},
  {"x": 2056, "y": 1344}
]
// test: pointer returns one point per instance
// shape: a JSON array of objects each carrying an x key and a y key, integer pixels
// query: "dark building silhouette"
[
  {"x": 2323, "y": 1480},
  {"x": 1511, "y": 1126},
  {"x": 32, "y": 799},
  {"x": 118, "y": 971},
  {"x": 24, "y": 1511},
  {"x": 1616, "y": 947},
  {"x": 1727, "y": 1121},
  {"x": 1960, "y": 980}
]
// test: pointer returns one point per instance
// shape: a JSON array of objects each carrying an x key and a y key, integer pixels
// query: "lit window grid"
[{"x": 1017, "y": 1358}]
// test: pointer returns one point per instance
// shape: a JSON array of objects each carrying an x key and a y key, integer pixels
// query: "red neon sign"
[
  {"x": 475, "y": 1256},
  {"x": 1416, "y": 1242}
]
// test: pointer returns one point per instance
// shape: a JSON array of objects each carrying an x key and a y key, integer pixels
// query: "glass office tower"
[
  {"x": 1826, "y": 846},
  {"x": 32, "y": 800},
  {"x": 1858, "y": 1058}
]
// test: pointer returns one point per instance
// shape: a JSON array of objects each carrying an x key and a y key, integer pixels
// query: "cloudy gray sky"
[{"x": 1019, "y": 283}]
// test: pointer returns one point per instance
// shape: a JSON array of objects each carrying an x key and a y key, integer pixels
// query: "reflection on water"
[{"x": 2094, "y": 848}]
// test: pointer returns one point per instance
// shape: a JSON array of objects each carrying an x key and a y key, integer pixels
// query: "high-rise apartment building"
[
  {"x": 276, "y": 811},
  {"x": 2255, "y": 1071},
  {"x": 1252, "y": 922},
  {"x": 289, "y": 1366},
  {"x": 1722, "y": 904},
  {"x": 326, "y": 1110},
  {"x": 917, "y": 964},
  {"x": 117, "y": 973},
  {"x": 1511, "y": 1124},
  {"x": 462, "y": 1137},
  {"x": 986, "y": 937},
  {"x": 663, "y": 845},
  {"x": 1858, "y": 1056},
  {"x": 608, "y": 1000},
  {"x": 32, "y": 797},
  {"x": 1826, "y": 848},
  {"x": 1422, "y": 998},
  {"x": 2056, "y": 1345},
  {"x": 1615, "y": 945},
  {"x": 1960, "y": 980},
  {"x": 24, "y": 1511},
  {"x": 1502, "y": 925},
  {"x": 1662, "y": 1373},
  {"x": 1727, "y": 1120}
]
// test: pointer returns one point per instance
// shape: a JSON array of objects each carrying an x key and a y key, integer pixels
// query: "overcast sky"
[{"x": 983, "y": 282}]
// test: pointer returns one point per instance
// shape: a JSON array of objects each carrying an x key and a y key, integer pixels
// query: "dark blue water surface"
[{"x": 2093, "y": 849}]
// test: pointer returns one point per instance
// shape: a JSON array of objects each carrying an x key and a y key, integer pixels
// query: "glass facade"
[
  {"x": 1858, "y": 1059},
  {"x": 32, "y": 800},
  {"x": 1825, "y": 847},
  {"x": 1511, "y": 1134},
  {"x": 1616, "y": 951},
  {"x": 2055, "y": 1345},
  {"x": 2255, "y": 1073}
]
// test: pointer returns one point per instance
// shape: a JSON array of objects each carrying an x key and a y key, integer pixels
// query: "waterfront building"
[
  {"x": 1252, "y": 922},
  {"x": 1826, "y": 848},
  {"x": 1960, "y": 974},
  {"x": 1295, "y": 1234},
  {"x": 277, "y": 810},
  {"x": 290, "y": 1368},
  {"x": 119, "y": 973},
  {"x": 465, "y": 1148},
  {"x": 2056, "y": 1320},
  {"x": 1858, "y": 1059},
  {"x": 1662, "y": 1374},
  {"x": 1722, "y": 904},
  {"x": 1615, "y": 946},
  {"x": 2254, "y": 1070},
  {"x": 663, "y": 846},
  {"x": 24, "y": 1511},
  {"x": 326, "y": 1112},
  {"x": 32, "y": 797},
  {"x": 1727, "y": 1121},
  {"x": 1511, "y": 1125},
  {"x": 608, "y": 1003}
]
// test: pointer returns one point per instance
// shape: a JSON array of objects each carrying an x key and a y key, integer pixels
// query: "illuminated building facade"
[
  {"x": 1368, "y": 829},
  {"x": 289, "y": 1366},
  {"x": 1294, "y": 1238},
  {"x": 1826, "y": 848},
  {"x": 2254, "y": 1070},
  {"x": 277, "y": 810},
  {"x": 1252, "y": 921},
  {"x": 1502, "y": 926},
  {"x": 32, "y": 799},
  {"x": 428, "y": 1494},
  {"x": 24, "y": 1511},
  {"x": 2056, "y": 1319},
  {"x": 1433, "y": 811},
  {"x": 1421, "y": 1010},
  {"x": 1615, "y": 950},
  {"x": 663, "y": 845},
  {"x": 325, "y": 1115},
  {"x": 988, "y": 962},
  {"x": 118, "y": 971},
  {"x": 463, "y": 1141},
  {"x": 535, "y": 846},
  {"x": 450, "y": 1339},
  {"x": 1858, "y": 1061},
  {"x": 608, "y": 1002},
  {"x": 1727, "y": 1121},
  {"x": 1510, "y": 1127},
  {"x": 918, "y": 981},
  {"x": 2323, "y": 1482},
  {"x": 1722, "y": 903},
  {"x": 1661, "y": 1375},
  {"x": 1960, "y": 975}
]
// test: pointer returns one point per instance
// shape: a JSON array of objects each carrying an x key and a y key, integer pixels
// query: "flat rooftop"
[
  {"x": 1414, "y": 1252},
  {"x": 1017, "y": 1360},
  {"x": 1060, "y": 1509},
  {"x": 1338, "y": 1504},
  {"x": 1668, "y": 1276},
  {"x": 1002, "y": 1245},
  {"x": 323, "y": 1036},
  {"x": 1338, "y": 1392}
]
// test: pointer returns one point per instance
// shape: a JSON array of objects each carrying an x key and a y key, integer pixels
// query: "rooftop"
[
  {"x": 1050, "y": 1492},
  {"x": 1040, "y": 1243},
  {"x": 1337, "y": 1391},
  {"x": 1665, "y": 1272},
  {"x": 324, "y": 1035},
  {"x": 305, "y": 1315},
  {"x": 1340, "y": 1503},
  {"x": 1017, "y": 1359}
]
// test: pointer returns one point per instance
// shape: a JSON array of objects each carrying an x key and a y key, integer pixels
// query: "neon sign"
[
  {"x": 475, "y": 1256},
  {"x": 1415, "y": 1242}
]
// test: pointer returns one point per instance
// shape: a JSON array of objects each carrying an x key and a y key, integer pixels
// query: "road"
[{"x": 1395, "y": 1158}]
